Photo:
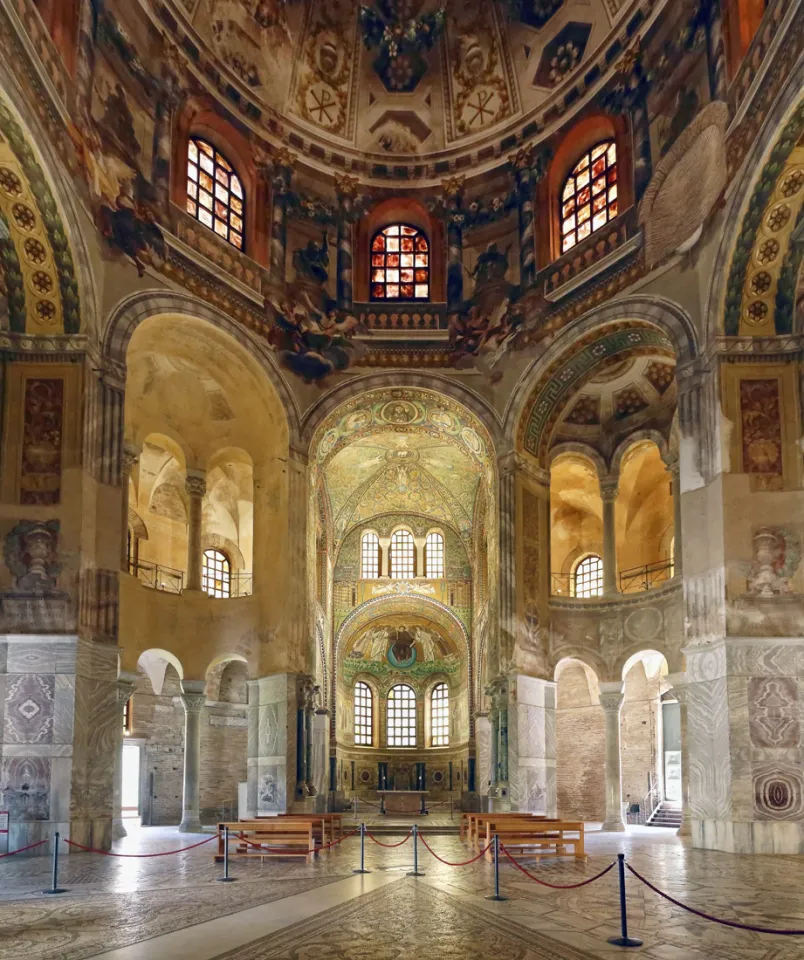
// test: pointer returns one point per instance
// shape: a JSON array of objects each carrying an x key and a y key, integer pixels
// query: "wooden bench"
[
  {"x": 549, "y": 837},
  {"x": 286, "y": 837},
  {"x": 327, "y": 826},
  {"x": 476, "y": 821}
]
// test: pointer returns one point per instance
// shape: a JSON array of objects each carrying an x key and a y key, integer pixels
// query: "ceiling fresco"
[{"x": 401, "y": 76}]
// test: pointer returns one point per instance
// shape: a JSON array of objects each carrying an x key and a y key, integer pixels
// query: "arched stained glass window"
[
  {"x": 439, "y": 715},
  {"x": 587, "y": 580},
  {"x": 589, "y": 197},
  {"x": 216, "y": 574},
  {"x": 364, "y": 715},
  {"x": 401, "y": 716},
  {"x": 400, "y": 264},
  {"x": 403, "y": 555},
  {"x": 370, "y": 556},
  {"x": 214, "y": 192},
  {"x": 434, "y": 556}
]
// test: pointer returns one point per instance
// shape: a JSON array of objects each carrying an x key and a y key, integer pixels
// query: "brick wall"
[
  {"x": 580, "y": 746},
  {"x": 159, "y": 720},
  {"x": 224, "y": 744},
  {"x": 639, "y": 730}
]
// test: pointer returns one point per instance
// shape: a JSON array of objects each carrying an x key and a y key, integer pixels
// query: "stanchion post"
[
  {"x": 226, "y": 878},
  {"x": 362, "y": 850},
  {"x": 623, "y": 940},
  {"x": 55, "y": 888},
  {"x": 415, "y": 872},
  {"x": 496, "y": 894}
]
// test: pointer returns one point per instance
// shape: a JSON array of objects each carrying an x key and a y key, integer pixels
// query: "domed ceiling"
[{"x": 401, "y": 77}]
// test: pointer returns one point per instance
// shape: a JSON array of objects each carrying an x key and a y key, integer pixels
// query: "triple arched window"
[
  {"x": 589, "y": 197},
  {"x": 401, "y": 715},
  {"x": 216, "y": 574},
  {"x": 587, "y": 578},
  {"x": 215, "y": 195},
  {"x": 400, "y": 263}
]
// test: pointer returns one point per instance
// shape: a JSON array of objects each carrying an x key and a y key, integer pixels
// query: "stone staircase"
[{"x": 666, "y": 815}]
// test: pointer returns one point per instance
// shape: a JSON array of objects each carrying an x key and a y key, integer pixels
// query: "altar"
[{"x": 402, "y": 801}]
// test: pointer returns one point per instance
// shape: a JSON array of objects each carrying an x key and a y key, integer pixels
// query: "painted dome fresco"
[{"x": 404, "y": 78}]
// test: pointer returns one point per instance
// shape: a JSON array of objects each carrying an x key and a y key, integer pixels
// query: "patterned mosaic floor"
[{"x": 115, "y": 904}]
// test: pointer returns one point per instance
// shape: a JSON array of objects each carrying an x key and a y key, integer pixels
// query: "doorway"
[{"x": 130, "y": 794}]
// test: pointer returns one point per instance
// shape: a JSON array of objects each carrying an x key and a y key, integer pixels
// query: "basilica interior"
[{"x": 401, "y": 432}]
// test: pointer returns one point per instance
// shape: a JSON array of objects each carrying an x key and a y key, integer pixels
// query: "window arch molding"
[
  {"x": 402, "y": 705},
  {"x": 200, "y": 119},
  {"x": 366, "y": 538},
  {"x": 216, "y": 573},
  {"x": 406, "y": 210},
  {"x": 576, "y": 141},
  {"x": 402, "y": 553},
  {"x": 400, "y": 264}
]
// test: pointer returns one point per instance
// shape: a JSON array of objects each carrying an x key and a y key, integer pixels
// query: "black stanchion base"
[
  {"x": 361, "y": 871},
  {"x": 625, "y": 941},
  {"x": 495, "y": 896},
  {"x": 226, "y": 879},
  {"x": 57, "y": 890},
  {"x": 414, "y": 873}
]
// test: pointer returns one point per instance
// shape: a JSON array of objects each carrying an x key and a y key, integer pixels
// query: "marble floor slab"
[{"x": 172, "y": 907}]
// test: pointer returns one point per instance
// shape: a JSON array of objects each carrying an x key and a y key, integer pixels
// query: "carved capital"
[
  {"x": 196, "y": 484},
  {"x": 125, "y": 688},
  {"x": 528, "y": 163},
  {"x": 130, "y": 456},
  {"x": 611, "y": 702},
  {"x": 193, "y": 702},
  {"x": 609, "y": 487},
  {"x": 346, "y": 187}
]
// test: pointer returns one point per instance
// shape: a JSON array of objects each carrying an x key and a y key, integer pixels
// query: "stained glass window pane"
[
  {"x": 370, "y": 551},
  {"x": 216, "y": 175},
  {"x": 402, "y": 555},
  {"x": 401, "y": 716},
  {"x": 589, "y": 200},
  {"x": 439, "y": 717},
  {"x": 395, "y": 246},
  {"x": 588, "y": 578},
  {"x": 364, "y": 710},
  {"x": 216, "y": 574}
]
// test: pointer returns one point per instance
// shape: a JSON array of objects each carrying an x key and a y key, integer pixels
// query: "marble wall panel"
[
  {"x": 773, "y": 712},
  {"x": 708, "y": 739},
  {"x": 29, "y": 709},
  {"x": 483, "y": 772},
  {"x": 25, "y": 787}
]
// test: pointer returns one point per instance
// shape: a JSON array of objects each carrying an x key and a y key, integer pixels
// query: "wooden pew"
[
  {"x": 476, "y": 830},
  {"x": 285, "y": 836},
  {"x": 549, "y": 837}
]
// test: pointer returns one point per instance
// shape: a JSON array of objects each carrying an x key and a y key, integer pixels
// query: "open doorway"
[{"x": 130, "y": 795}]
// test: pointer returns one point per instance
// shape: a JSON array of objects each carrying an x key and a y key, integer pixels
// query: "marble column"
[
  {"x": 305, "y": 714},
  {"x": 282, "y": 172},
  {"x": 494, "y": 743},
  {"x": 681, "y": 693},
  {"x": 130, "y": 456},
  {"x": 531, "y": 753},
  {"x": 528, "y": 168},
  {"x": 483, "y": 753},
  {"x": 454, "y": 263},
  {"x": 611, "y": 699},
  {"x": 193, "y": 697},
  {"x": 608, "y": 494},
  {"x": 640, "y": 132},
  {"x": 125, "y": 688},
  {"x": 172, "y": 93},
  {"x": 320, "y": 758},
  {"x": 196, "y": 487},
  {"x": 673, "y": 468},
  {"x": 346, "y": 193}
]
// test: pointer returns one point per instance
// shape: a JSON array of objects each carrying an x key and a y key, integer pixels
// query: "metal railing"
[
  {"x": 241, "y": 584},
  {"x": 640, "y": 813},
  {"x": 561, "y": 584},
  {"x": 640, "y": 579},
  {"x": 156, "y": 576}
]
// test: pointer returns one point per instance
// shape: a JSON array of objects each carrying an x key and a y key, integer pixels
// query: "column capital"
[
  {"x": 680, "y": 685},
  {"x": 193, "y": 695},
  {"x": 125, "y": 688},
  {"x": 195, "y": 483},
  {"x": 609, "y": 487},
  {"x": 512, "y": 462},
  {"x": 611, "y": 696},
  {"x": 530, "y": 163},
  {"x": 131, "y": 454}
]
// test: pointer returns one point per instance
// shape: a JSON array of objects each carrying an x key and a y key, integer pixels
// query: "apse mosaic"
[{"x": 413, "y": 645}]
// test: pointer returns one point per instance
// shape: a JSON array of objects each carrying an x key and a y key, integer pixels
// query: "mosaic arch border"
[
  {"x": 570, "y": 371},
  {"x": 439, "y": 387},
  {"x": 660, "y": 312},
  {"x": 43, "y": 296},
  {"x": 758, "y": 299},
  {"x": 133, "y": 310}
]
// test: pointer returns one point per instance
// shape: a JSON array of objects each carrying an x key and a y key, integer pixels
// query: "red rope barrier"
[
  {"x": 448, "y": 862},
  {"x": 13, "y": 853},
  {"x": 556, "y": 886},
  {"x": 138, "y": 856},
  {"x": 707, "y": 916},
  {"x": 389, "y": 845}
]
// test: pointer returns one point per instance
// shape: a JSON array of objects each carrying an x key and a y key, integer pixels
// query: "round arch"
[
  {"x": 575, "y": 448},
  {"x": 639, "y": 436},
  {"x": 135, "y": 309},
  {"x": 663, "y": 316}
]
